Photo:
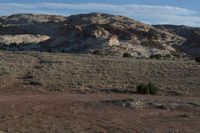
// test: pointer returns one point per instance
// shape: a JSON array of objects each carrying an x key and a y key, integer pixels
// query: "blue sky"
[{"x": 179, "y": 12}]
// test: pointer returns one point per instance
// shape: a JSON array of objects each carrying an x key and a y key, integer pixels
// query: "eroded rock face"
[
  {"x": 113, "y": 41},
  {"x": 86, "y": 33},
  {"x": 191, "y": 45},
  {"x": 22, "y": 39}
]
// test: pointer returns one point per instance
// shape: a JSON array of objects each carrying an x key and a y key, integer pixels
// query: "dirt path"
[{"x": 98, "y": 113}]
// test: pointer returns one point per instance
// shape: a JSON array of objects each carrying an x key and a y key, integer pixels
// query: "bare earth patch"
[{"x": 75, "y": 113}]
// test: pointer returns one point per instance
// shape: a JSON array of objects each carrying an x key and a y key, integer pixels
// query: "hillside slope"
[
  {"x": 88, "y": 33},
  {"x": 33, "y": 72},
  {"x": 191, "y": 34}
]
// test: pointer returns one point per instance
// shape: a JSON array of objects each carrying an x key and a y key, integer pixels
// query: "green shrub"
[
  {"x": 152, "y": 88},
  {"x": 49, "y": 50},
  {"x": 2, "y": 49},
  {"x": 149, "y": 88},
  {"x": 168, "y": 56},
  {"x": 97, "y": 52},
  {"x": 34, "y": 83},
  {"x": 128, "y": 55},
  {"x": 63, "y": 51},
  {"x": 156, "y": 56},
  {"x": 197, "y": 59},
  {"x": 142, "y": 89}
]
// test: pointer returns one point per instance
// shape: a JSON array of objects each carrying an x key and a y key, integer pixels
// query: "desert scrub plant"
[
  {"x": 197, "y": 59},
  {"x": 153, "y": 89},
  {"x": 149, "y": 88},
  {"x": 34, "y": 83},
  {"x": 28, "y": 76},
  {"x": 29, "y": 79},
  {"x": 168, "y": 56},
  {"x": 2, "y": 49},
  {"x": 127, "y": 55},
  {"x": 156, "y": 56},
  {"x": 142, "y": 89},
  {"x": 3, "y": 71},
  {"x": 97, "y": 52}
]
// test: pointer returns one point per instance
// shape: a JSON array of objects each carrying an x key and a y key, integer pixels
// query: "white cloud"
[{"x": 145, "y": 13}]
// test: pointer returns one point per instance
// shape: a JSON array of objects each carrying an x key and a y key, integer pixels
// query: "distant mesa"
[{"x": 86, "y": 33}]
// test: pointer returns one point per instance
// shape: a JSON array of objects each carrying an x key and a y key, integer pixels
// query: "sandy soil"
[{"x": 93, "y": 113}]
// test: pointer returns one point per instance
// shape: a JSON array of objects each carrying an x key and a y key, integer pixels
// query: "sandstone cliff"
[{"x": 87, "y": 33}]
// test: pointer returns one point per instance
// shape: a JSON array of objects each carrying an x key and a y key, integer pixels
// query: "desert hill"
[
  {"x": 92, "y": 33},
  {"x": 191, "y": 34}
]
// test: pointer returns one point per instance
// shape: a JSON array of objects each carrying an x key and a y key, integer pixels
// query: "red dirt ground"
[{"x": 89, "y": 113}]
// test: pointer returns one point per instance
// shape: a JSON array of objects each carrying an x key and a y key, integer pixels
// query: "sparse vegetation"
[
  {"x": 156, "y": 56},
  {"x": 28, "y": 76},
  {"x": 3, "y": 71},
  {"x": 127, "y": 55},
  {"x": 142, "y": 89},
  {"x": 197, "y": 59},
  {"x": 2, "y": 49},
  {"x": 49, "y": 50},
  {"x": 149, "y": 88},
  {"x": 97, "y": 52},
  {"x": 34, "y": 83},
  {"x": 105, "y": 75},
  {"x": 29, "y": 79},
  {"x": 153, "y": 89},
  {"x": 168, "y": 56}
]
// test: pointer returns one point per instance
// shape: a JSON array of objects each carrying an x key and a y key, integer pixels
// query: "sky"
[{"x": 178, "y": 12}]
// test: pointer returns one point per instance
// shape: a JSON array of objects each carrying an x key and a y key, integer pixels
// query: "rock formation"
[{"x": 86, "y": 33}]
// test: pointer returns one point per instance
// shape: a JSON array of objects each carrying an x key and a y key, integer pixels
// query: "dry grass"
[{"x": 55, "y": 72}]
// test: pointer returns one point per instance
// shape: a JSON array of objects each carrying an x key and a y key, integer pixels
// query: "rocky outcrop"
[
  {"x": 22, "y": 39},
  {"x": 30, "y": 19},
  {"x": 191, "y": 34},
  {"x": 86, "y": 33}
]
